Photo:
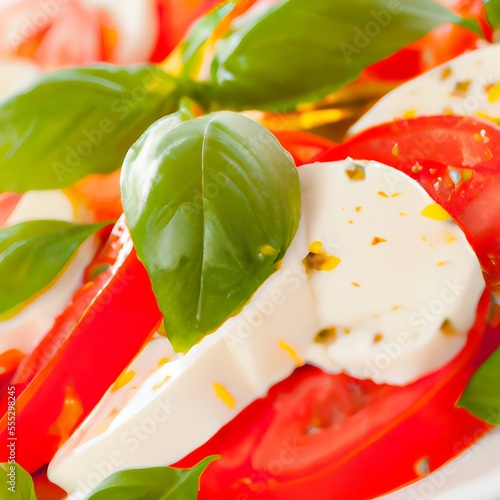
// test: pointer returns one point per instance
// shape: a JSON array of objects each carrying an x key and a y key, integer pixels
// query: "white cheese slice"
[
  {"x": 17, "y": 74},
  {"x": 417, "y": 263},
  {"x": 466, "y": 85},
  {"x": 137, "y": 28},
  {"x": 27, "y": 328},
  {"x": 402, "y": 298},
  {"x": 187, "y": 401},
  {"x": 39, "y": 205}
]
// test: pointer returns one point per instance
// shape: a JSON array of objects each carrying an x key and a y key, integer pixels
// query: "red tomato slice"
[
  {"x": 8, "y": 202},
  {"x": 315, "y": 433},
  {"x": 68, "y": 373},
  {"x": 457, "y": 160},
  {"x": 442, "y": 44},
  {"x": 175, "y": 19},
  {"x": 303, "y": 146},
  {"x": 473, "y": 9},
  {"x": 45, "y": 489},
  {"x": 99, "y": 193}
]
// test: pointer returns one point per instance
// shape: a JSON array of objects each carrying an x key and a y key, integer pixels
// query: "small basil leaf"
[
  {"x": 212, "y": 204},
  {"x": 191, "y": 48},
  {"x": 482, "y": 394},
  {"x": 493, "y": 12},
  {"x": 16, "y": 483},
  {"x": 265, "y": 63},
  {"x": 160, "y": 483},
  {"x": 33, "y": 253},
  {"x": 76, "y": 122}
]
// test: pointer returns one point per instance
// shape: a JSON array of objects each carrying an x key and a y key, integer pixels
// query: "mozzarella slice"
[
  {"x": 466, "y": 85},
  {"x": 371, "y": 254},
  {"x": 17, "y": 74},
  {"x": 49, "y": 205},
  {"x": 155, "y": 354},
  {"x": 137, "y": 28},
  {"x": 187, "y": 401},
  {"x": 404, "y": 293},
  {"x": 25, "y": 330}
]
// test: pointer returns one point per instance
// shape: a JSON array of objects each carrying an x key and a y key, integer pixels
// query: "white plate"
[{"x": 474, "y": 475}]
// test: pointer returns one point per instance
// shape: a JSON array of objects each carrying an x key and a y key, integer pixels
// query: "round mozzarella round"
[
  {"x": 403, "y": 294},
  {"x": 466, "y": 85},
  {"x": 17, "y": 74},
  {"x": 136, "y": 27}
]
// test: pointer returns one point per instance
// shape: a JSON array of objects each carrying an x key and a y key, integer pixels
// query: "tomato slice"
[
  {"x": 440, "y": 45},
  {"x": 457, "y": 160},
  {"x": 8, "y": 202},
  {"x": 315, "y": 433},
  {"x": 99, "y": 193},
  {"x": 175, "y": 19},
  {"x": 303, "y": 146},
  {"x": 68, "y": 373}
]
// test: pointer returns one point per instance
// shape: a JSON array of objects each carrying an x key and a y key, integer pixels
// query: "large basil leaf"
[
  {"x": 212, "y": 205},
  {"x": 493, "y": 12},
  {"x": 16, "y": 483},
  {"x": 482, "y": 394},
  {"x": 299, "y": 51},
  {"x": 78, "y": 121},
  {"x": 33, "y": 253},
  {"x": 160, "y": 483}
]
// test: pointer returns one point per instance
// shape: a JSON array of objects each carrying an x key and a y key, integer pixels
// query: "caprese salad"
[{"x": 246, "y": 328}]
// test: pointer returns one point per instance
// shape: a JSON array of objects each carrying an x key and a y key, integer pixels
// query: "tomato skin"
[
  {"x": 433, "y": 149},
  {"x": 66, "y": 383}
]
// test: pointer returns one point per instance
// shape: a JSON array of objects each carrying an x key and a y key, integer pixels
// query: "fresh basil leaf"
[
  {"x": 493, "y": 12},
  {"x": 160, "y": 483},
  {"x": 298, "y": 51},
  {"x": 191, "y": 48},
  {"x": 16, "y": 483},
  {"x": 78, "y": 121},
  {"x": 482, "y": 394},
  {"x": 33, "y": 253},
  {"x": 212, "y": 205}
]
